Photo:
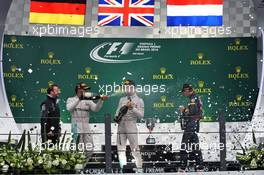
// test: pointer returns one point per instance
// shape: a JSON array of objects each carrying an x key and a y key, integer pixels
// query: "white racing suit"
[
  {"x": 127, "y": 130},
  {"x": 79, "y": 110}
]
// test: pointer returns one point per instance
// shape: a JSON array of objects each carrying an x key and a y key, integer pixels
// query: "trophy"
[{"x": 150, "y": 124}]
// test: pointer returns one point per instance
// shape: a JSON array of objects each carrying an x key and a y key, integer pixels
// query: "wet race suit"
[{"x": 190, "y": 124}]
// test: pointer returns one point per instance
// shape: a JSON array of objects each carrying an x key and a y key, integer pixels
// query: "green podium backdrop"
[{"x": 223, "y": 72}]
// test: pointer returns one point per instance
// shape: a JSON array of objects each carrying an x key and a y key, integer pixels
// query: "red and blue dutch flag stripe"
[{"x": 194, "y": 12}]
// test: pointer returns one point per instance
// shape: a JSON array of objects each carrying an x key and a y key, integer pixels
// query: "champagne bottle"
[
  {"x": 122, "y": 111},
  {"x": 91, "y": 96}
]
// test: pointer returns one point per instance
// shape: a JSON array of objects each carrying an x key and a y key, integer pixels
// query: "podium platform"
[{"x": 156, "y": 159}]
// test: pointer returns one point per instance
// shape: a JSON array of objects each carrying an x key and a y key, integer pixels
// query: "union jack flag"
[{"x": 126, "y": 13}]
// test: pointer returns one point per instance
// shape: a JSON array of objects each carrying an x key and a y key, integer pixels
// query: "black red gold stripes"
[{"x": 70, "y": 12}]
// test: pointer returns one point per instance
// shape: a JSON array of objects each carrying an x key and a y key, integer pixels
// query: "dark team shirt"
[{"x": 50, "y": 114}]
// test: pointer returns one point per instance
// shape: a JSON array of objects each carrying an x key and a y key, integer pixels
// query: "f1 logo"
[{"x": 115, "y": 47}]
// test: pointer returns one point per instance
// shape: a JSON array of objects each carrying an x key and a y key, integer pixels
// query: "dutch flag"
[{"x": 194, "y": 12}]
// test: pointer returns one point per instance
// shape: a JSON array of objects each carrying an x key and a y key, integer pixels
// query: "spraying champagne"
[{"x": 91, "y": 96}]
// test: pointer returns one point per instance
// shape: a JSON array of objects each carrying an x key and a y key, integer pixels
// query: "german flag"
[{"x": 70, "y": 12}]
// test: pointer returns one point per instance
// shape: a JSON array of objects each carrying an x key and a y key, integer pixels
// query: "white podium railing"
[{"x": 7, "y": 122}]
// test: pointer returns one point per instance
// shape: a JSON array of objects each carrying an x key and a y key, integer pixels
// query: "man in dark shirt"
[
  {"x": 50, "y": 115},
  {"x": 191, "y": 116}
]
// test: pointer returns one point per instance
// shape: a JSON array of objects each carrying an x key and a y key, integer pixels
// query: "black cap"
[
  {"x": 129, "y": 82},
  {"x": 83, "y": 86},
  {"x": 187, "y": 86}
]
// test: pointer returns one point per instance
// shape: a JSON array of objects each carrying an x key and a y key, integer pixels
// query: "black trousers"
[{"x": 190, "y": 146}]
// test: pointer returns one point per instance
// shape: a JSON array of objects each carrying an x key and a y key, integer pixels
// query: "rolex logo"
[
  {"x": 237, "y": 41},
  {"x": 13, "y": 44},
  {"x": 200, "y": 60},
  {"x": 163, "y": 99},
  {"x": 51, "y": 55},
  {"x": 50, "y": 83},
  {"x": 163, "y": 75},
  {"x": 200, "y": 84},
  {"x": 14, "y": 73},
  {"x": 237, "y": 46},
  {"x": 163, "y": 103},
  {"x": 13, "y": 98},
  {"x": 239, "y": 101},
  {"x": 13, "y": 68},
  {"x": 16, "y": 103},
  {"x": 51, "y": 60},
  {"x": 238, "y": 74},
  {"x": 238, "y": 69},
  {"x": 88, "y": 70},
  {"x": 238, "y": 98},
  {"x": 200, "y": 56},
  {"x": 13, "y": 39},
  {"x": 202, "y": 89},
  {"x": 87, "y": 75},
  {"x": 163, "y": 70}
]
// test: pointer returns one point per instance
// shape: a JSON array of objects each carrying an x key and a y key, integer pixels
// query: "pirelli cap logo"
[
  {"x": 15, "y": 102},
  {"x": 200, "y": 60},
  {"x": 50, "y": 60},
  {"x": 13, "y": 44},
  {"x": 163, "y": 103},
  {"x": 239, "y": 101},
  {"x": 163, "y": 75},
  {"x": 87, "y": 75},
  {"x": 202, "y": 89},
  {"x": 239, "y": 74},
  {"x": 14, "y": 73},
  {"x": 237, "y": 46}
]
